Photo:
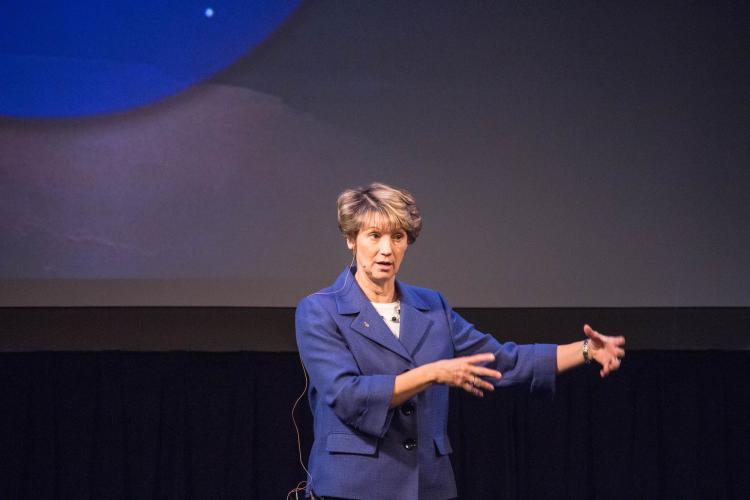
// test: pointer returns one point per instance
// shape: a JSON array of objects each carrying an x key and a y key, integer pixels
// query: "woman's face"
[{"x": 379, "y": 250}]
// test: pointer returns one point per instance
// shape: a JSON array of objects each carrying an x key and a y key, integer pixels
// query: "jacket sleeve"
[
  {"x": 360, "y": 401},
  {"x": 533, "y": 365}
]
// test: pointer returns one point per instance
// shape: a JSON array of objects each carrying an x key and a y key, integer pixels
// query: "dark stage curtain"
[{"x": 193, "y": 425}]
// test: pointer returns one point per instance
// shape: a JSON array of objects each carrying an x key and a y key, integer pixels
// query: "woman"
[{"x": 382, "y": 355}]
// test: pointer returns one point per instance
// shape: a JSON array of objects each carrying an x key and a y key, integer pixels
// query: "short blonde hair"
[{"x": 356, "y": 206}]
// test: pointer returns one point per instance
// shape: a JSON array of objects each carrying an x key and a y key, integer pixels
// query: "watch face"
[{"x": 65, "y": 59}]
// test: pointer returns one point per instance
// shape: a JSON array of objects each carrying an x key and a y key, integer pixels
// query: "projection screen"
[{"x": 563, "y": 154}]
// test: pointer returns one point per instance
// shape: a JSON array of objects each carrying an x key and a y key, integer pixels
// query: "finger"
[
  {"x": 620, "y": 353},
  {"x": 590, "y": 332},
  {"x": 468, "y": 387},
  {"x": 480, "y": 383},
  {"x": 483, "y": 357},
  {"x": 613, "y": 365},
  {"x": 483, "y": 384},
  {"x": 486, "y": 372}
]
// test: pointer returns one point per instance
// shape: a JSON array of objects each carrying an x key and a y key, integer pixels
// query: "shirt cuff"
[
  {"x": 376, "y": 417},
  {"x": 545, "y": 370}
]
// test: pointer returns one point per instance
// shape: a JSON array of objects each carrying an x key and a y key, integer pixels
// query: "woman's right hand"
[{"x": 466, "y": 372}]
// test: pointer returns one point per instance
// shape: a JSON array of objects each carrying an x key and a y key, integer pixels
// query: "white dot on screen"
[{"x": 209, "y": 12}]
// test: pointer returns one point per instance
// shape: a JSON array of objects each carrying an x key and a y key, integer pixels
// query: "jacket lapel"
[
  {"x": 414, "y": 323},
  {"x": 369, "y": 323},
  {"x": 351, "y": 300}
]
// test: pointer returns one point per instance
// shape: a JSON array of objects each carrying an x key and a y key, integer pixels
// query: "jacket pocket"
[
  {"x": 351, "y": 443},
  {"x": 443, "y": 445}
]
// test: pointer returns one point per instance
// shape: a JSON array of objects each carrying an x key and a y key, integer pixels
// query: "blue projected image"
[{"x": 66, "y": 59}]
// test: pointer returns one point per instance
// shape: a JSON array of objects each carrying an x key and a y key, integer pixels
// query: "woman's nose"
[{"x": 385, "y": 246}]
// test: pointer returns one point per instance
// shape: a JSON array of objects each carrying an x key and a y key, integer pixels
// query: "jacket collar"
[{"x": 351, "y": 300}]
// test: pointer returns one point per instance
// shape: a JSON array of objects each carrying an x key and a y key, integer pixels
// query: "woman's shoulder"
[
  {"x": 321, "y": 298},
  {"x": 315, "y": 308},
  {"x": 429, "y": 298}
]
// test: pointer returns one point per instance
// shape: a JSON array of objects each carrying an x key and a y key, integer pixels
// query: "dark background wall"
[
  {"x": 127, "y": 425},
  {"x": 272, "y": 329}
]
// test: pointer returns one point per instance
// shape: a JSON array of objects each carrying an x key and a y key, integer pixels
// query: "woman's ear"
[{"x": 350, "y": 243}]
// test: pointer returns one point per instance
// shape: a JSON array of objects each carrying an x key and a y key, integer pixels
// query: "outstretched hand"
[
  {"x": 605, "y": 350},
  {"x": 466, "y": 372}
]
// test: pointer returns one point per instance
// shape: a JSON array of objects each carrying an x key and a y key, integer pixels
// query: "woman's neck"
[{"x": 377, "y": 292}]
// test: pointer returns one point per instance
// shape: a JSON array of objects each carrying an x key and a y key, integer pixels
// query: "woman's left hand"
[{"x": 607, "y": 351}]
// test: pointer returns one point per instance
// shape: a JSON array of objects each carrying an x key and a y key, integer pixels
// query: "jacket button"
[
  {"x": 410, "y": 444},
  {"x": 407, "y": 408}
]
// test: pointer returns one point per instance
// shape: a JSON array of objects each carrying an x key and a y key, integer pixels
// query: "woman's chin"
[{"x": 382, "y": 276}]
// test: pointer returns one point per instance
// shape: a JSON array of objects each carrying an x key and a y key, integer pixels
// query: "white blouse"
[{"x": 390, "y": 314}]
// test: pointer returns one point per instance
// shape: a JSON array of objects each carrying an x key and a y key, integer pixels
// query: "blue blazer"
[{"x": 362, "y": 448}]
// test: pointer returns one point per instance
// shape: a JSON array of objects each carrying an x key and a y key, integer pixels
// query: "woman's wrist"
[
  {"x": 431, "y": 374},
  {"x": 586, "y": 352},
  {"x": 570, "y": 355}
]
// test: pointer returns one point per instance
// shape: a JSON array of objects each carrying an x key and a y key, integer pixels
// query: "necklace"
[
  {"x": 390, "y": 312},
  {"x": 396, "y": 318}
]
